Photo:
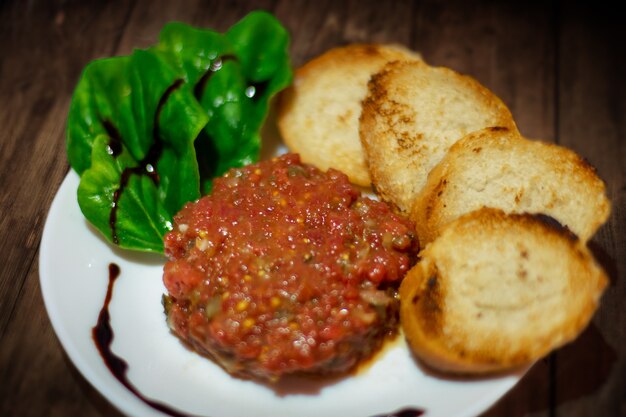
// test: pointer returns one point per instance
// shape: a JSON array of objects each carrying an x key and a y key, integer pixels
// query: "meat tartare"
[{"x": 285, "y": 269}]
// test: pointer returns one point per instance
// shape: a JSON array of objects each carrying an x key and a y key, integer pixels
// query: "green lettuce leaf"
[
  {"x": 234, "y": 77},
  {"x": 149, "y": 131},
  {"x": 139, "y": 120}
]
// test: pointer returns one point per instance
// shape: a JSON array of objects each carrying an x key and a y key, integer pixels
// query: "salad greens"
[{"x": 149, "y": 131}]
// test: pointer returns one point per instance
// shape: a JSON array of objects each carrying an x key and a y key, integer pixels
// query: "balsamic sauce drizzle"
[
  {"x": 102, "y": 335},
  {"x": 216, "y": 65},
  {"x": 115, "y": 139},
  {"x": 405, "y": 412},
  {"x": 254, "y": 90},
  {"x": 258, "y": 89},
  {"x": 147, "y": 166}
]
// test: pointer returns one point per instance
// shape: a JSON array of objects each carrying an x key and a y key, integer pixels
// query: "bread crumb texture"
[
  {"x": 497, "y": 167},
  {"x": 497, "y": 291},
  {"x": 412, "y": 114},
  {"x": 318, "y": 116}
]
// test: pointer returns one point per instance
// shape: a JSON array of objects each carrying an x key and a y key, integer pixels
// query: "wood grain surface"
[{"x": 559, "y": 66}]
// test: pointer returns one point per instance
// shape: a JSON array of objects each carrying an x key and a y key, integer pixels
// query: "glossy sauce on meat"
[{"x": 285, "y": 269}]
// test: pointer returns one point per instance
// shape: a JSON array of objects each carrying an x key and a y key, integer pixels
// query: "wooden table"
[{"x": 559, "y": 67}]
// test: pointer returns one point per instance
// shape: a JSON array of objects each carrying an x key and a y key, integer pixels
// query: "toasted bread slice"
[
  {"x": 497, "y": 291},
  {"x": 496, "y": 167},
  {"x": 318, "y": 117},
  {"x": 412, "y": 114}
]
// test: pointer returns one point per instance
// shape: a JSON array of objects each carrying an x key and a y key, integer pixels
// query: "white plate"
[{"x": 74, "y": 276}]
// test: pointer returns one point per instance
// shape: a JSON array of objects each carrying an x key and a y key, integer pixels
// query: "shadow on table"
[{"x": 574, "y": 371}]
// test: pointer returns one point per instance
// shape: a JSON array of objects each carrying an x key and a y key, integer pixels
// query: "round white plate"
[{"x": 74, "y": 276}]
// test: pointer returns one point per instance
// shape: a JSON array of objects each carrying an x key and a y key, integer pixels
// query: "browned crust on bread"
[
  {"x": 448, "y": 192},
  {"x": 554, "y": 224},
  {"x": 318, "y": 115},
  {"x": 399, "y": 148},
  {"x": 447, "y": 335}
]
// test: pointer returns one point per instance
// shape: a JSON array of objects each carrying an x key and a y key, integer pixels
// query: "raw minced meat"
[{"x": 285, "y": 269}]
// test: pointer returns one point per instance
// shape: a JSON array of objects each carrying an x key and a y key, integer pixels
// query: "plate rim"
[{"x": 118, "y": 395}]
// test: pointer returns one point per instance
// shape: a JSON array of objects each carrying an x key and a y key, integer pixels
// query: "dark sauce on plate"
[
  {"x": 102, "y": 332},
  {"x": 102, "y": 335},
  {"x": 405, "y": 412}
]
